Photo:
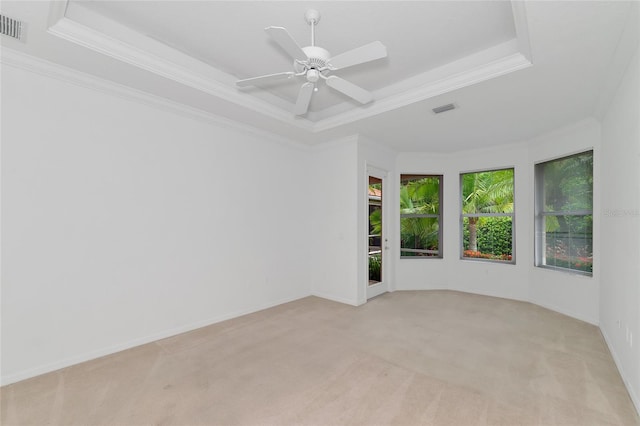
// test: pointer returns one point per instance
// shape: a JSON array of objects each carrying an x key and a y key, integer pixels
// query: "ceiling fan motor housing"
[{"x": 318, "y": 59}]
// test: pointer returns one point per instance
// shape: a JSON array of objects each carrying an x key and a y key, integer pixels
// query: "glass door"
[
  {"x": 376, "y": 238},
  {"x": 375, "y": 230}
]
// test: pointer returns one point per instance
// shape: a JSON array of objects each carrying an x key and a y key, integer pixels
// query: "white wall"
[
  {"x": 334, "y": 221},
  {"x": 339, "y": 266},
  {"x": 570, "y": 294},
  {"x": 450, "y": 272},
  {"x": 427, "y": 273},
  {"x": 123, "y": 223},
  {"x": 620, "y": 218},
  {"x": 490, "y": 278}
]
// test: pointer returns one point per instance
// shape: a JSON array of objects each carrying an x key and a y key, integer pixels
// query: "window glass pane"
[
  {"x": 568, "y": 242},
  {"x": 487, "y": 192},
  {"x": 374, "y": 193},
  {"x": 487, "y": 237},
  {"x": 420, "y": 211},
  {"x": 487, "y": 215},
  {"x": 564, "y": 202},
  {"x": 419, "y": 235},
  {"x": 568, "y": 183},
  {"x": 419, "y": 194}
]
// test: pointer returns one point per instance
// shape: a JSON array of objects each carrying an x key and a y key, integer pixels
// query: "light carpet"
[{"x": 404, "y": 358}]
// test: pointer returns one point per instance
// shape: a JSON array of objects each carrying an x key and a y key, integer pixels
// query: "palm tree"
[
  {"x": 420, "y": 196},
  {"x": 486, "y": 192}
]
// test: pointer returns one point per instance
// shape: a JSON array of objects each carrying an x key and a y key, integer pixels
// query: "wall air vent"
[
  {"x": 11, "y": 27},
  {"x": 443, "y": 108}
]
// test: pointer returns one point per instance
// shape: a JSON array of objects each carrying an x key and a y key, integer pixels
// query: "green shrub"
[
  {"x": 375, "y": 267},
  {"x": 493, "y": 236}
]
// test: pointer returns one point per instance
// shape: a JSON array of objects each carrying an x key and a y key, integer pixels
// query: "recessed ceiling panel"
[
  {"x": 569, "y": 57},
  {"x": 229, "y": 36}
]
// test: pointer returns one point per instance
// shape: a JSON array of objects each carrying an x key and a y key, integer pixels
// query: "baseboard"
[
  {"x": 335, "y": 299},
  {"x": 420, "y": 287},
  {"x": 566, "y": 312},
  {"x": 88, "y": 356},
  {"x": 616, "y": 359}
]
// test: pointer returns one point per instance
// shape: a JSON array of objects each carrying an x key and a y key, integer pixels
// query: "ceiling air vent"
[
  {"x": 11, "y": 27},
  {"x": 443, "y": 108}
]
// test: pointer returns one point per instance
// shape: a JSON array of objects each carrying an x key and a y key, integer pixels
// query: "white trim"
[
  {"x": 97, "y": 33},
  {"x": 376, "y": 171},
  {"x": 569, "y": 154},
  {"x": 522, "y": 28},
  {"x": 428, "y": 90},
  {"x": 336, "y": 298},
  {"x": 370, "y": 291},
  {"x": 335, "y": 142},
  {"x": 471, "y": 153},
  {"x": 375, "y": 144},
  {"x": 375, "y": 290},
  {"x": 20, "y": 60},
  {"x": 625, "y": 48},
  {"x": 87, "y": 356},
  {"x": 153, "y": 56},
  {"x": 57, "y": 9},
  {"x": 2, "y": 222},
  {"x": 616, "y": 360},
  {"x": 592, "y": 321}
]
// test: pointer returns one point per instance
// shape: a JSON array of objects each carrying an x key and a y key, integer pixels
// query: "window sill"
[
  {"x": 494, "y": 261},
  {"x": 565, "y": 271}
]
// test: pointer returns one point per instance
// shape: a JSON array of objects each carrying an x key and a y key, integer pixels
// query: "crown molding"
[
  {"x": 519, "y": 9},
  {"x": 119, "y": 42},
  {"x": 151, "y": 55},
  {"x": 626, "y": 48},
  {"x": 26, "y": 62},
  {"x": 481, "y": 73},
  {"x": 336, "y": 142}
]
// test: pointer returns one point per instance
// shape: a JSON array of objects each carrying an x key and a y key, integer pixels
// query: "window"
[
  {"x": 420, "y": 213},
  {"x": 564, "y": 213},
  {"x": 487, "y": 215},
  {"x": 374, "y": 193}
]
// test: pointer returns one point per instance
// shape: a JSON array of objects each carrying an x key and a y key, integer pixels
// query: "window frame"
[
  {"x": 539, "y": 251},
  {"x": 440, "y": 253},
  {"x": 512, "y": 215}
]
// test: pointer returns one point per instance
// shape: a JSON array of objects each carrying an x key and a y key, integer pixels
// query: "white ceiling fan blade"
[
  {"x": 304, "y": 97},
  {"x": 368, "y": 52},
  {"x": 265, "y": 79},
  {"x": 349, "y": 89},
  {"x": 284, "y": 39}
]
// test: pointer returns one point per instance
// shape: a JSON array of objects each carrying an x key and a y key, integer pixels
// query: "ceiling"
[{"x": 513, "y": 69}]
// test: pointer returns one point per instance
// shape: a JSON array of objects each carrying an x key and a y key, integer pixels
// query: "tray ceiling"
[
  {"x": 209, "y": 45},
  {"x": 514, "y": 70}
]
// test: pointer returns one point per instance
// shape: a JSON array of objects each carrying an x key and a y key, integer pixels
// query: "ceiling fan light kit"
[{"x": 315, "y": 64}]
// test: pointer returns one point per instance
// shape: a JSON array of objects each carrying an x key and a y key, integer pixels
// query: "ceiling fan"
[{"x": 315, "y": 63}]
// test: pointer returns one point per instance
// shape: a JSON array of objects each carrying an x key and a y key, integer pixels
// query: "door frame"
[{"x": 383, "y": 286}]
